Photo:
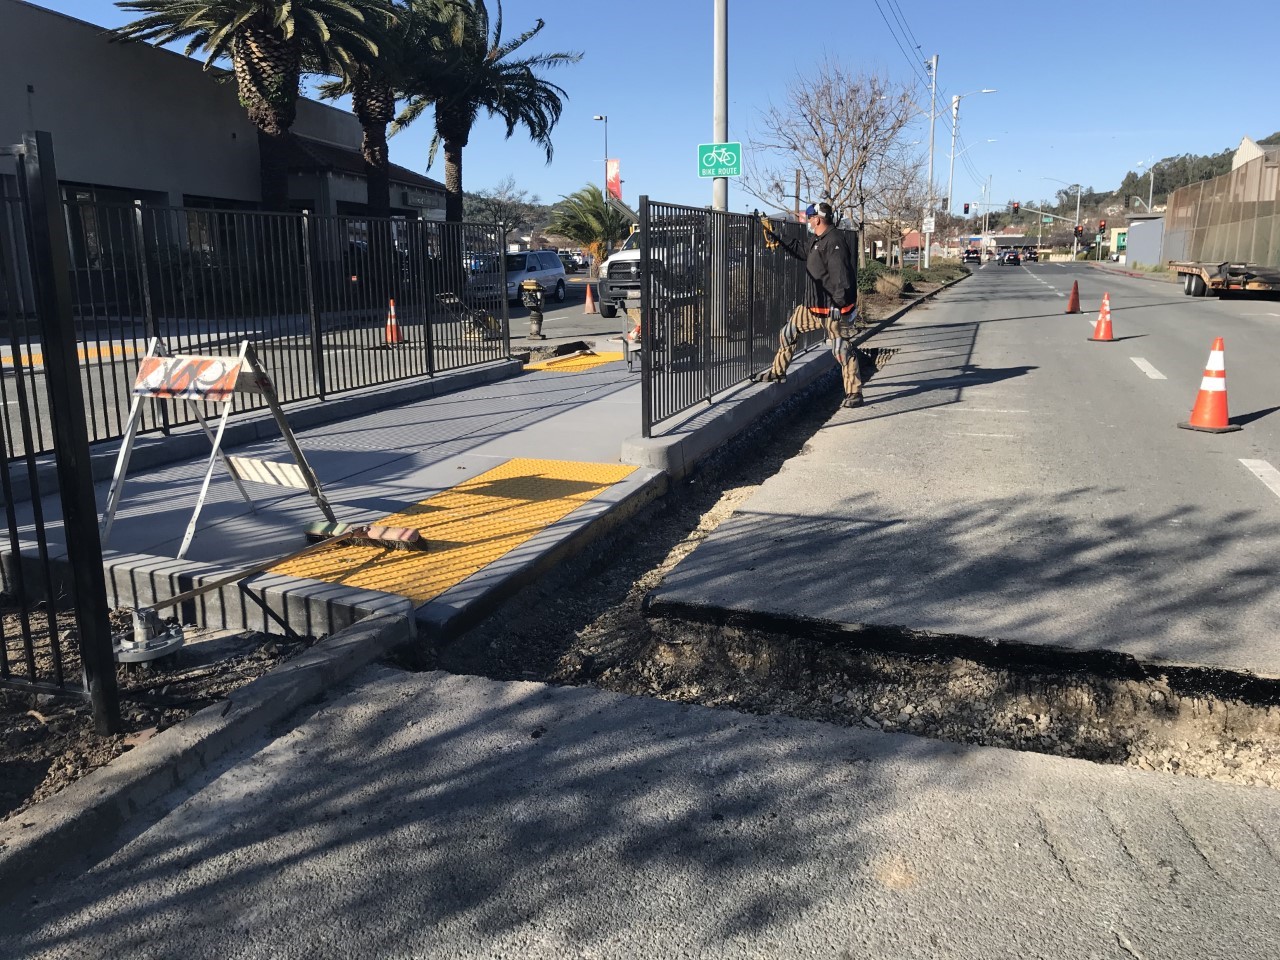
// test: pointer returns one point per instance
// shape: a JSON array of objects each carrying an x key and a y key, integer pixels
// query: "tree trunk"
[
  {"x": 453, "y": 180},
  {"x": 267, "y": 68},
  {"x": 374, "y": 104}
]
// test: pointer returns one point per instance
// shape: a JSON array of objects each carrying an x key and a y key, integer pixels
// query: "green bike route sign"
[{"x": 719, "y": 159}]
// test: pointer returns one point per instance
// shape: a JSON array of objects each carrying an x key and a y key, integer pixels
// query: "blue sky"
[{"x": 1085, "y": 90}]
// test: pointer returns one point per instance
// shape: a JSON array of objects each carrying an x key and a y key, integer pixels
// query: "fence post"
[
  {"x": 313, "y": 308},
  {"x": 647, "y": 333},
  {"x": 711, "y": 284},
  {"x": 750, "y": 260},
  {"x": 502, "y": 286},
  {"x": 51, "y": 258},
  {"x": 426, "y": 286}
]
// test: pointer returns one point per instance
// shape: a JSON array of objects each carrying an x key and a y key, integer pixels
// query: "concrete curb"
[
  {"x": 1130, "y": 273},
  {"x": 678, "y": 451},
  {"x": 269, "y": 602},
  {"x": 187, "y": 443},
  {"x": 43, "y": 839}
]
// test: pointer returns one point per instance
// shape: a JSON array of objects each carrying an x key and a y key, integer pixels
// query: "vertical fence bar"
[
  {"x": 313, "y": 308},
  {"x": 142, "y": 248},
  {"x": 646, "y": 327},
  {"x": 48, "y": 239}
]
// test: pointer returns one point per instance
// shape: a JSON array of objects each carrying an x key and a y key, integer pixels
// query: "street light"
[
  {"x": 1151, "y": 187},
  {"x": 955, "y": 122},
  {"x": 601, "y": 116},
  {"x": 1075, "y": 240}
]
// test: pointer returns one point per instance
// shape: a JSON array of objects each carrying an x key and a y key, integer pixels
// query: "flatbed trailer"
[{"x": 1216, "y": 279}]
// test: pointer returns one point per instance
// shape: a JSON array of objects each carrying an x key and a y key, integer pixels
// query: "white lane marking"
[
  {"x": 1006, "y": 435},
  {"x": 1148, "y": 369},
  {"x": 1266, "y": 473}
]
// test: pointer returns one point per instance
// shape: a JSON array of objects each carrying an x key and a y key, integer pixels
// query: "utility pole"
[
  {"x": 933, "y": 111},
  {"x": 720, "y": 94},
  {"x": 1075, "y": 234},
  {"x": 986, "y": 187}
]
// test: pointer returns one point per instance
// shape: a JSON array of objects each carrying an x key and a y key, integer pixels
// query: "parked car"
[
  {"x": 1011, "y": 259},
  {"x": 541, "y": 265},
  {"x": 570, "y": 264}
]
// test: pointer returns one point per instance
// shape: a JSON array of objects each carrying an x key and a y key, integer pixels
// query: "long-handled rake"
[{"x": 152, "y": 639}]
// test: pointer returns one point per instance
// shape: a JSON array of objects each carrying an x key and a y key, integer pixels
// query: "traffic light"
[
  {"x": 1079, "y": 230},
  {"x": 1102, "y": 226},
  {"x": 1016, "y": 205},
  {"x": 966, "y": 209},
  {"x": 1126, "y": 201}
]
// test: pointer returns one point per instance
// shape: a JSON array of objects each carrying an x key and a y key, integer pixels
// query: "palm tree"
[
  {"x": 412, "y": 42},
  {"x": 587, "y": 219},
  {"x": 267, "y": 41},
  {"x": 479, "y": 75}
]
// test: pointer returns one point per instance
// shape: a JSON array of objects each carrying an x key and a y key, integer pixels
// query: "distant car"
[
  {"x": 972, "y": 256},
  {"x": 1011, "y": 259},
  {"x": 541, "y": 265},
  {"x": 1031, "y": 257},
  {"x": 570, "y": 264}
]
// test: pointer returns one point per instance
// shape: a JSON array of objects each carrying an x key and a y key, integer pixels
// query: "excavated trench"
[{"x": 586, "y": 623}]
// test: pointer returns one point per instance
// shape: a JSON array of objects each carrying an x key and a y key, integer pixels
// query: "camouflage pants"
[{"x": 839, "y": 330}]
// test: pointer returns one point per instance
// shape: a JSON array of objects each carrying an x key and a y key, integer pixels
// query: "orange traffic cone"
[
  {"x": 393, "y": 333},
  {"x": 591, "y": 300},
  {"x": 1102, "y": 329},
  {"x": 1209, "y": 415},
  {"x": 1073, "y": 302}
]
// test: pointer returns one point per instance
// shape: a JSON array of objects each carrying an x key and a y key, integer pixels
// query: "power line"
[
  {"x": 893, "y": 33},
  {"x": 903, "y": 20}
]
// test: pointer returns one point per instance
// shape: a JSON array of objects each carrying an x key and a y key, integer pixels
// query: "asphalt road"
[{"x": 1009, "y": 479}]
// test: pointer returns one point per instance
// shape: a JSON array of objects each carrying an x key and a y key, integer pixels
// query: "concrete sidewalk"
[{"x": 504, "y": 475}]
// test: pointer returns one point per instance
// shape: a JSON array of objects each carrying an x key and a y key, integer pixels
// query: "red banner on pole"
[{"x": 613, "y": 178}]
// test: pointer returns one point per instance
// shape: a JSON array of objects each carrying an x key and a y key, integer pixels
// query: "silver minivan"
[{"x": 541, "y": 265}]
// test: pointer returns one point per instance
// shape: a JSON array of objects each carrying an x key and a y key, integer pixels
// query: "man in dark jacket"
[{"x": 833, "y": 290}]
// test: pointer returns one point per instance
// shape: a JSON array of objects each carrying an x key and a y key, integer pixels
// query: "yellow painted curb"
[{"x": 466, "y": 528}]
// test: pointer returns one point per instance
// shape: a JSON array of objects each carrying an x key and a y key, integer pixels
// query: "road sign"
[
  {"x": 1046, "y": 219},
  {"x": 719, "y": 159},
  {"x": 928, "y": 225},
  {"x": 1098, "y": 237}
]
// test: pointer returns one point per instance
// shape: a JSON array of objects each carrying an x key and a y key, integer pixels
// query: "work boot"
[{"x": 853, "y": 400}]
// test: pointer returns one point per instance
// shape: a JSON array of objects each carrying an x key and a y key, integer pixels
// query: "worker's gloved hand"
[
  {"x": 770, "y": 235},
  {"x": 849, "y": 324}
]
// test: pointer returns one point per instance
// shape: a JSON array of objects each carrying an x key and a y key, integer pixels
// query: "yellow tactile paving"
[
  {"x": 467, "y": 527},
  {"x": 584, "y": 361}
]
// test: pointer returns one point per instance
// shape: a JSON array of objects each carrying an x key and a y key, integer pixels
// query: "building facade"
[{"x": 131, "y": 121}]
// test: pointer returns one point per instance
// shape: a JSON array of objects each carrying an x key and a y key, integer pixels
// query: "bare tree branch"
[{"x": 837, "y": 128}]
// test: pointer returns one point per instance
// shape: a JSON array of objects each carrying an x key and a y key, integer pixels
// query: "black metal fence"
[
  {"x": 713, "y": 302},
  {"x": 314, "y": 294},
  {"x": 53, "y": 603}
]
